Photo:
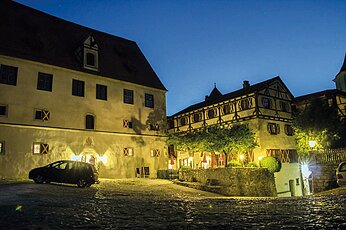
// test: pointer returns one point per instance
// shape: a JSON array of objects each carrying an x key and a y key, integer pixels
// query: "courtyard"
[{"x": 159, "y": 204}]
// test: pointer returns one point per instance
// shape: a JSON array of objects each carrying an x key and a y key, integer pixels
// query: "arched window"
[
  {"x": 211, "y": 113},
  {"x": 90, "y": 59},
  {"x": 226, "y": 109},
  {"x": 89, "y": 121}
]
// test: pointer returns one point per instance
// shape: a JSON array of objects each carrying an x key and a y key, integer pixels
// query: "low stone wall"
[
  {"x": 169, "y": 174},
  {"x": 256, "y": 182},
  {"x": 323, "y": 177}
]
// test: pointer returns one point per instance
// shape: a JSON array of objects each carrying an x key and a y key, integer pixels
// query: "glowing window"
[
  {"x": 128, "y": 152},
  {"x": 40, "y": 148}
]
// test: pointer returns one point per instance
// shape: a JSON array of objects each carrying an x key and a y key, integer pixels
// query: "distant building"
[
  {"x": 340, "y": 78},
  {"x": 266, "y": 108},
  {"x": 67, "y": 91}
]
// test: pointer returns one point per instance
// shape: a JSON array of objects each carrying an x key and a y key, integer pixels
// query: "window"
[
  {"x": 78, "y": 88},
  {"x": 3, "y": 110},
  {"x": 127, "y": 124},
  {"x": 2, "y": 147},
  {"x": 226, "y": 109},
  {"x": 8, "y": 75},
  {"x": 101, "y": 92},
  {"x": 44, "y": 81},
  {"x": 128, "y": 152},
  {"x": 266, "y": 102},
  {"x": 273, "y": 128},
  {"x": 244, "y": 104},
  {"x": 149, "y": 100},
  {"x": 211, "y": 113},
  {"x": 197, "y": 117},
  {"x": 43, "y": 115},
  {"x": 289, "y": 130},
  {"x": 40, "y": 148},
  {"x": 182, "y": 121},
  {"x": 89, "y": 121},
  {"x": 128, "y": 96},
  {"x": 154, "y": 153},
  {"x": 154, "y": 127},
  {"x": 170, "y": 124},
  {"x": 90, "y": 59},
  {"x": 284, "y": 106}
]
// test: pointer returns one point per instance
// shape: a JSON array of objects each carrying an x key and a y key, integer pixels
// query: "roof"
[
  {"x": 343, "y": 67},
  {"x": 33, "y": 35},
  {"x": 327, "y": 93},
  {"x": 240, "y": 92},
  {"x": 215, "y": 94}
]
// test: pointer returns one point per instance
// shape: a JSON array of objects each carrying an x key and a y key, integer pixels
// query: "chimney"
[{"x": 246, "y": 84}]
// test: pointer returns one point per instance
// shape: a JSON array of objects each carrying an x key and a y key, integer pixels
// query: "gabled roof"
[
  {"x": 33, "y": 35},
  {"x": 343, "y": 67},
  {"x": 240, "y": 92},
  {"x": 215, "y": 94},
  {"x": 328, "y": 93}
]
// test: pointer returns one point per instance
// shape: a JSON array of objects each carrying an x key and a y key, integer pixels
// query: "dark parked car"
[{"x": 71, "y": 172}]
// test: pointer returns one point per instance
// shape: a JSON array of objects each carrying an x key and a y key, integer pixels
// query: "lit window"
[
  {"x": 101, "y": 92},
  {"x": 40, "y": 148},
  {"x": 149, "y": 100},
  {"x": 128, "y": 96},
  {"x": 77, "y": 88},
  {"x": 89, "y": 121},
  {"x": 3, "y": 110},
  {"x": 154, "y": 153},
  {"x": 8, "y": 75},
  {"x": 2, "y": 147},
  {"x": 266, "y": 102},
  {"x": 44, "y": 81},
  {"x": 273, "y": 128},
  {"x": 128, "y": 152},
  {"x": 43, "y": 115}
]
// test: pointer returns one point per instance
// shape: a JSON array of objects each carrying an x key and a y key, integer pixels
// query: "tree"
[
  {"x": 234, "y": 140},
  {"x": 320, "y": 122}
]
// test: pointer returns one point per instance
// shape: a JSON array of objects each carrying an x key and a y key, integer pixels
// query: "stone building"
[
  {"x": 68, "y": 91},
  {"x": 266, "y": 109}
]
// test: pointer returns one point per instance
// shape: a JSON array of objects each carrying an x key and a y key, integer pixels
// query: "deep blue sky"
[{"x": 193, "y": 44}]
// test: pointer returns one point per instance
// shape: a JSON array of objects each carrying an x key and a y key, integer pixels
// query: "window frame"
[
  {"x": 101, "y": 92},
  {"x": 44, "y": 115},
  {"x": 44, "y": 82},
  {"x": 127, "y": 124},
  {"x": 155, "y": 153},
  {"x": 266, "y": 103},
  {"x": 78, "y": 88},
  {"x": 284, "y": 106},
  {"x": 8, "y": 75},
  {"x": 128, "y": 98},
  {"x": 289, "y": 131},
  {"x": 43, "y": 148},
  {"x": 6, "y": 110},
  {"x": 272, "y": 130},
  {"x": 88, "y": 125},
  {"x": 2, "y": 148},
  {"x": 149, "y": 101},
  {"x": 128, "y": 152}
]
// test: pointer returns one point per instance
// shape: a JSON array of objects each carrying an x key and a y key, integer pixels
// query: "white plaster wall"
[{"x": 289, "y": 171}]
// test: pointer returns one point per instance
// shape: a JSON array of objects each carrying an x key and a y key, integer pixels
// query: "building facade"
[
  {"x": 71, "y": 92},
  {"x": 340, "y": 78},
  {"x": 266, "y": 109}
]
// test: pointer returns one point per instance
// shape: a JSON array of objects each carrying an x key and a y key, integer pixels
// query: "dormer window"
[{"x": 90, "y": 54}]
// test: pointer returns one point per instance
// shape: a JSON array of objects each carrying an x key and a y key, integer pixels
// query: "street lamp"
[{"x": 312, "y": 144}]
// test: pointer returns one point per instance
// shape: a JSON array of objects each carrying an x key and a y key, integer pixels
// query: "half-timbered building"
[{"x": 266, "y": 108}]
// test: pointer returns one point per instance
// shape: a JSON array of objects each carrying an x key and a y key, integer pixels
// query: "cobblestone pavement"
[{"x": 158, "y": 204}]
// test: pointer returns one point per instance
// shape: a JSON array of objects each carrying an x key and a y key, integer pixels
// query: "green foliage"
[
  {"x": 252, "y": 165},
  {"x": 186, "y": 167},
  {"x": 233, "y": 164},
  {"x": 238, "y": 138},
  {"x": 321, "y": 123},
  {"x": 271, "y": 163}
]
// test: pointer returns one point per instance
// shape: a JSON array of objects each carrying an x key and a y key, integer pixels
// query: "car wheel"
[
  {"x": 38, "y": 179},
  {"x": 81, "y": 183}
]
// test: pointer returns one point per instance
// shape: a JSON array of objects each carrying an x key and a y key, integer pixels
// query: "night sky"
[{"x": 193, "y": 44}]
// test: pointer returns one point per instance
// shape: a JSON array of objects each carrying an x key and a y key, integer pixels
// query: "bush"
[
  {"x": 271, "y": 163},
  {"x": 252, "y": 165},
  {"x": 186, "y": 167},
  {"x": 233, "y": 164}
]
